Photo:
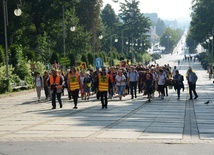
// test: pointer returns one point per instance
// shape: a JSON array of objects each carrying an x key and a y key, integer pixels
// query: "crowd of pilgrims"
[{"x": 122, "y": 81}]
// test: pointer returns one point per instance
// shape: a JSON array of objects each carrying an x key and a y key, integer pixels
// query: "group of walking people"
[{"x": 106, "y": 82}]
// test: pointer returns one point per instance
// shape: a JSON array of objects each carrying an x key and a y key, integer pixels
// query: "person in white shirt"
[
  {"x": 120, "y": 83},
  {"x": 39, "y": 85},
  {"x": 161, "y": 80},
  {"x": 82, "y": 77},
  {"x": 174, "y": 71}
]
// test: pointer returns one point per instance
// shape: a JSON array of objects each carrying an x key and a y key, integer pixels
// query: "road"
[{"x": 130, "y": 126}]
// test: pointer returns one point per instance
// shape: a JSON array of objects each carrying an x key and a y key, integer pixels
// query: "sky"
[{"x": 166, "y": 9}]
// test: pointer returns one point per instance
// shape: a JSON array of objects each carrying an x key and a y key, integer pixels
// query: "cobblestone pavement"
[{"x": 130, "y": 120}]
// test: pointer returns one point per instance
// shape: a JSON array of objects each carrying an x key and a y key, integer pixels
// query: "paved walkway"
[{"x": 162, "y": 121}]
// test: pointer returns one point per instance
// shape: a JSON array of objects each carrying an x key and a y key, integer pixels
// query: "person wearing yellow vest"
[
  {"x": 74, "y": 85},
  {"x": 55, "y": 83},
  {"x": 103, "y": 87}
]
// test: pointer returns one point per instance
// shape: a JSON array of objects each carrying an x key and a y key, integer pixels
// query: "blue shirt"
[{"x": 133, "y": 76}]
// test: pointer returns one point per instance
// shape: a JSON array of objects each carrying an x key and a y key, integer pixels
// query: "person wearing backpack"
[{"x": 179, "y": 82}]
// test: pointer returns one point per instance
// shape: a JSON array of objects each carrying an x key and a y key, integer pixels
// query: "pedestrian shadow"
[{"x": 34, "y": 102}]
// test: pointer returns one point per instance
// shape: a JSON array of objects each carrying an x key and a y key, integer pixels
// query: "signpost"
[
  {"x": 98, "y": 63},
  {"x": 83, "y": 65},
  {"x": 64, "y": 61}
]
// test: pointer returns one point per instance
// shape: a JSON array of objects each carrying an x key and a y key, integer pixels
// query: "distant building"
[
  {"x": 152, "y": 16},
  {"x": 171, "y": 23}
]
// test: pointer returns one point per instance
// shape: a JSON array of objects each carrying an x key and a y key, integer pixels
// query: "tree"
[
  {"x": 170, "y": 38},
  {"x": 84, "y": 59},
  {"x": 72, "y": 59},
  {"x": 44, "y": 51},
  {"x": 90, "y": 58},
  {"x": 202, "y": 20},
  {"x": 54, "y": 57},
  {"x": 160, "y": 27},
  {"x": 111, "y": 22},
  {"x": 19, "y": 62},
  {"x": 2, "y": 56},
  {"x": 136, "y": 23},
  {"x": 88, "y": 13}
]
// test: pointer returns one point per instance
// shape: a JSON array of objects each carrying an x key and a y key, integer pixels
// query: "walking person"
[
  {"x": 38, "y": 84},
  {"x": 179, "y": 82},
  {"x": 132, "y": 80},
  {"x": 192, "y": 79},
  {"x": 112, "y": 75},
  {"x": 66, "y": 84},
  {"x": 45, "y": 84},
  {"x": 74, "y": 85},
  {"x": 87, "y": 85},
  {"x": 103, "y": 87},
  {"x": 55, "y": 81},
  {"x": 140, "y": 82},
  {"x": 120, "y": 83},
  {"x": 149, "y": 86},
  {"x": 161, "y": 80},
  {"x": 82, "y": 92},
  {"x": 95, "y": 82},
  {"x": 210, "y": 71}
]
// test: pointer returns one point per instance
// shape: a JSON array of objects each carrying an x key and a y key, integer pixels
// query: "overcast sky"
[{"x": 166, "y": 9}]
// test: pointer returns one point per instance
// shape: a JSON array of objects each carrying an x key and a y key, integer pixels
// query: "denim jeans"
[
  {"x": 54, "y": 95},
  {"x": 120, "y": 89},
  {"x": 133, "y": 87}
]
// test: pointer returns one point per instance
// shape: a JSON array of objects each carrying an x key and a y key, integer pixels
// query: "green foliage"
[
  {"x": 38, "y": 67},
  {"x": 170, "y": 38},
  {"x": 84, "y": 59},
  {"x": 54, "y": 57},
  {"x": 202, "y": 20},
  {"x": 90, "y": 58},
  {"x": 155, "y": 56},
  {"x": 109, "y": 18},
  {"x": 2, "y": 55},
  {"x": 136, "y": 25},
  {"x": 145, "y": 58},
  {"x": 72, "y": 59},
  {"x": 19, "y": 62},
  {"x": 160, "y": 27},
  {"x": 43, "y": 49},
  {"x": 13, "y": 78}
]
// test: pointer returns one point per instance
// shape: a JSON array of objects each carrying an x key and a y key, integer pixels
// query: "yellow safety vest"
[
  {"x": 74, "y": 82},
  {"x": 103, "y": 82}
]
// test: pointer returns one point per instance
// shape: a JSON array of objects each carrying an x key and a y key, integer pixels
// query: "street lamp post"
[
  {"x": 208, "y": 42},
  {"x": 168, "y": 37},
  {"x": 211, "y": 38},
  {"x": 5, "y": 36},
  {"x": 17, "y": 12},
  {"x": 72, "y": 29}
]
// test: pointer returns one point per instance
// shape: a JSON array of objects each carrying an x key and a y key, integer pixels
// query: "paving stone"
[
  {"x": 161, "y": 136},
  {"x": 70, "y": 134},
  {"x": 119, "y": 135}
]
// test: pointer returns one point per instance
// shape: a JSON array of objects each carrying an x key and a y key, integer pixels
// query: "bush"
[{"x": 155, "y": 56}]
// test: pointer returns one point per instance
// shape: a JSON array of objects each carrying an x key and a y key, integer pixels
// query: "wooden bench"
[{"x": 21, "y": 86}]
